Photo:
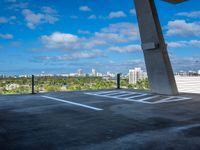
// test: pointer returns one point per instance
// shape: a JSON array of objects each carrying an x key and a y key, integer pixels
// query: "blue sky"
[{"x": 65, "y": 35}]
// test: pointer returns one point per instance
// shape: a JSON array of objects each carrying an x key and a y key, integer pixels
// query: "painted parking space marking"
[
  {"x": 111, "y": 93},
  {"x": 136, "y": 96},
  {"x": 146, "y": 98},
  {"x": 107, "y": 92},
  {"x": 173, "y": 99},
  {"x": 73, "y": 103},
  {"x": 126, "y": 94}
]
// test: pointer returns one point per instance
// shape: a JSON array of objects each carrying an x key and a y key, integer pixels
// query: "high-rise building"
[
  {"x": 99, "y": 74},
  {"x": 135, "y": 75},
  {"x": 94, "y": 73},
  {"x": 80, "y": 72},
  {"x": 110, "y": 74}
]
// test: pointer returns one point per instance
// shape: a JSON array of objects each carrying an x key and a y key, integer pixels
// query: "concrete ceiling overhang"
[{"x": 174, "y": 1}]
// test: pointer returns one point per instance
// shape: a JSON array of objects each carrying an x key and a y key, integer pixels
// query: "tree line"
[{"x": 11, "y": 85}]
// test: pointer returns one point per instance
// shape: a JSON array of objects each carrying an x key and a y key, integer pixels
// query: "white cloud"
[
  {"x": 16, "y": 6},
  {"x": 183, "y": 28},
  {"x": 83, "y": 32},
  {"x": 114, "y": 34},
  {"x": 84, "y": 8},
  {"x": 16, "y": 44},
  {"x": 109, "y": 65},
  {"x": 111, "y": 35},
  {"x": 185, "y": 63},
  {"x": 47, "y": 15},
  {"x": 48, "y": 10},
  {"x": 10, "y": 1},
  {"x": 119, "y": 33},
  {"x": 76, "y": 56},
  {"x": 108, "y": 37},
  {"x": 179, "y": 44},
  {"x": 6, "y": 36},
  {"x": 195, "y": 43},
  {"x": 117, "y": 14},
  {"x": 132, "y": 12},
  {"x": 31, "y": 18},
  {"x": 125, "y": 49},
  {"x": 129, "y": 64},
  {"x": 193, "y": 14},
  {"x": 122, "y": 32},
  {"x": 60, "y": 40},
  {"x": 74, "y": 17},
  {"x": 4, "y": 20},
  {"x": 12, "y": 18},
  {"x": 92, "y": 17},
  {"x": 111, "y": 15}
]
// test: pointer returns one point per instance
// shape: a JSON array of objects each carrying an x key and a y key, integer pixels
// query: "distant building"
[
  {"x": 23, "y": 76},
  {"x": 94, "y": 73},
  {"x": 189, "y": 73},
  {"x": 80, "y": 72},
  {"x": 72, "y": 74},
  {"x": 110, "y": 74},
  {"x": 136, "y": 74},
  {"x": 99, "y": 74},
  {"x": 192, "y": 73},
  {"x": 198, "y": 72},
  {"x": 181, "y": 73},
  {"x": 12, "y": 86},
  {"x": 64, "y": 75}
]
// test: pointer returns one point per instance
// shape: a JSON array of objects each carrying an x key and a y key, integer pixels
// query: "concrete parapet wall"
[{"x": 188, "y": 84}]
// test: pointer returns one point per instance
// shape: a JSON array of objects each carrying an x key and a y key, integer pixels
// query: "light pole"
[
  {"x": 118, "y": 81},
  {"x": 33, "y": 84},
  {"x": 156, "y": 57}
]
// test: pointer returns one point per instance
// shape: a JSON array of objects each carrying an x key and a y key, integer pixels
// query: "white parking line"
[
  {"x": 130, "y": 96},
  {"x": 148, "y": 98},
  {"x": 125, "y": 94},
  {"x": 112, "y": 94},
  {"x": 141, "y": 95},
  {"x": 107, "y": 92},
  {"x": 172, "y": 99},
  {"x": 73, "y": 103},
  {"x": 131, "y": 100},
  {"x": 119, "y": 98}
]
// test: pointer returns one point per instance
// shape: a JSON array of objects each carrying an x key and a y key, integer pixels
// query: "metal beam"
[{"x": 157, "y": 61}]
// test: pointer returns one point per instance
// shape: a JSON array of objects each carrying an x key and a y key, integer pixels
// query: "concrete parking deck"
[{"x": 96, "y": 120}]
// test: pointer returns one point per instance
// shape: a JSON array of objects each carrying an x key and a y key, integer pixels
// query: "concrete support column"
[{"x": 157, "y": 61}]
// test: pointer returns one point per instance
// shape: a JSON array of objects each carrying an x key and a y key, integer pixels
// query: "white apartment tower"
[
  {"x": 94, "y": 73},
  {"x": 135, "y": 75}
]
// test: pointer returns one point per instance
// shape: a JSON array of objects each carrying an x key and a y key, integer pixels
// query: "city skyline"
[
  {"x": 94, "y": 72},
  {"x": 59, "y": 38}
]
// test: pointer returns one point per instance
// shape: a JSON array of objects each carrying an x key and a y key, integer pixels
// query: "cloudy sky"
[{"x": 65, "y": 35}]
